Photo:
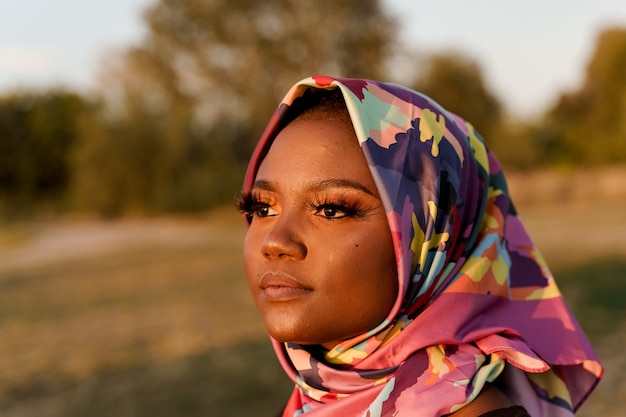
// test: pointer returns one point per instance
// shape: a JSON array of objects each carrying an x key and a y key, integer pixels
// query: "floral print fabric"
[{"x": 476, "y": 301}]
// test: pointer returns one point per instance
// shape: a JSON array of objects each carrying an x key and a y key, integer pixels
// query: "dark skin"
[{"x": 319, "y": 245}]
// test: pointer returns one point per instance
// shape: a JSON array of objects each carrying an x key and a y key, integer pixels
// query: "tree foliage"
[
  {"x": 231, "y": 62},
  {"x": 588, "y": 126},
  {"x": 176, "y": 116},
  {"x": 184, "y": 109},
  {"x": 37, "y": 134}
]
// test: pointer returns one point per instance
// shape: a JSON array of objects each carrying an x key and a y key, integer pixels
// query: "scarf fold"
[{"x": 476, "y": 301}]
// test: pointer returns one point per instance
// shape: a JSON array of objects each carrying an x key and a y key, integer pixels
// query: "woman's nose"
[{"x": 284, "y": 240}]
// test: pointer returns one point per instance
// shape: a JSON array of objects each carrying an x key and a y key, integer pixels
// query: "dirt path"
[{"x": 66, "y": 240}]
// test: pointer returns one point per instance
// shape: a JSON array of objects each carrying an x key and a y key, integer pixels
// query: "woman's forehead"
[{"x": 315, "y": 149}]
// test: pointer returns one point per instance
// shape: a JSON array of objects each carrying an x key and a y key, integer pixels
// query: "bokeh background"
[{"x": 125, "y": 127}]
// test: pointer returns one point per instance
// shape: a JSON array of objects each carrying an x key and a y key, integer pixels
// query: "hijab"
[{"x": 476, "y": 302}]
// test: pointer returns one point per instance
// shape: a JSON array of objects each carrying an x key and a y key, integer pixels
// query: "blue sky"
[
  {"x": 529, "y": 50},
  {"x": 50, "y": 42}
]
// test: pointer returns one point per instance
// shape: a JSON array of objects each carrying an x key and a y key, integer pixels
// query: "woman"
[{"x": 391, "y": 270}]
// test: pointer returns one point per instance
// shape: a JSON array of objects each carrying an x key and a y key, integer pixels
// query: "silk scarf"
[{"x": 476, "y": 302}]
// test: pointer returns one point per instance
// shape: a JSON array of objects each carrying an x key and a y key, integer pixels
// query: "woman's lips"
[{"x": 278, "y": 286}]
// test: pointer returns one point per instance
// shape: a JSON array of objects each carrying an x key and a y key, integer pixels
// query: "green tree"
[
  {"x": 183, "y": 110},
  {"x": 588, "y": 126},
  {"x": 235, "y": 59},
  {"x": 37, "y": 134}
]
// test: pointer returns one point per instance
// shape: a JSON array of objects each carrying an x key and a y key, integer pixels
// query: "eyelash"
[
  {"x": 250, "y": 205},
  {"x": 349, "y": 209}
]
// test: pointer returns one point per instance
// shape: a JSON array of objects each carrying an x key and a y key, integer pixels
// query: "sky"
[{"x": 530, "y": 51}]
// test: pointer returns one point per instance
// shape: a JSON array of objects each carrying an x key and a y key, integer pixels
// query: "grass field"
[{"x": 151, "y": 317}]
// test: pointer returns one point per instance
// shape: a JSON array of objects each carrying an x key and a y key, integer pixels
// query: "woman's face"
[{"x": 318, "y": 255}]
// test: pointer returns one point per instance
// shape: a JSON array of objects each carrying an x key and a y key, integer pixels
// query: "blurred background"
[{"x": 125, "y": 127}]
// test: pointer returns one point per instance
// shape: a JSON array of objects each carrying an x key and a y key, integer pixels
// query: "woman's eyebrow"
[
  {"x": 339, "y": 183},
  {"x": 262, "y": 185},
  {"x": 318, "y": 186}
]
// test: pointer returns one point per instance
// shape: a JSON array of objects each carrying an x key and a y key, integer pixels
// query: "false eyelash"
[
  {"x": 244, "y": 202},
  {"x": 247, "y": 203},
  {"x": 350, "y": 208}
]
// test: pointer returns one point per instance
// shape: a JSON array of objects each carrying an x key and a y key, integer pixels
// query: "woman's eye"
[
  {"x": 263, "y": 210},
  {"x": 332, "y": 212}
]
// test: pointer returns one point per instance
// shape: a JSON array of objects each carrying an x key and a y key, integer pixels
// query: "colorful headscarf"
[{"x": 476, "y": 303}]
